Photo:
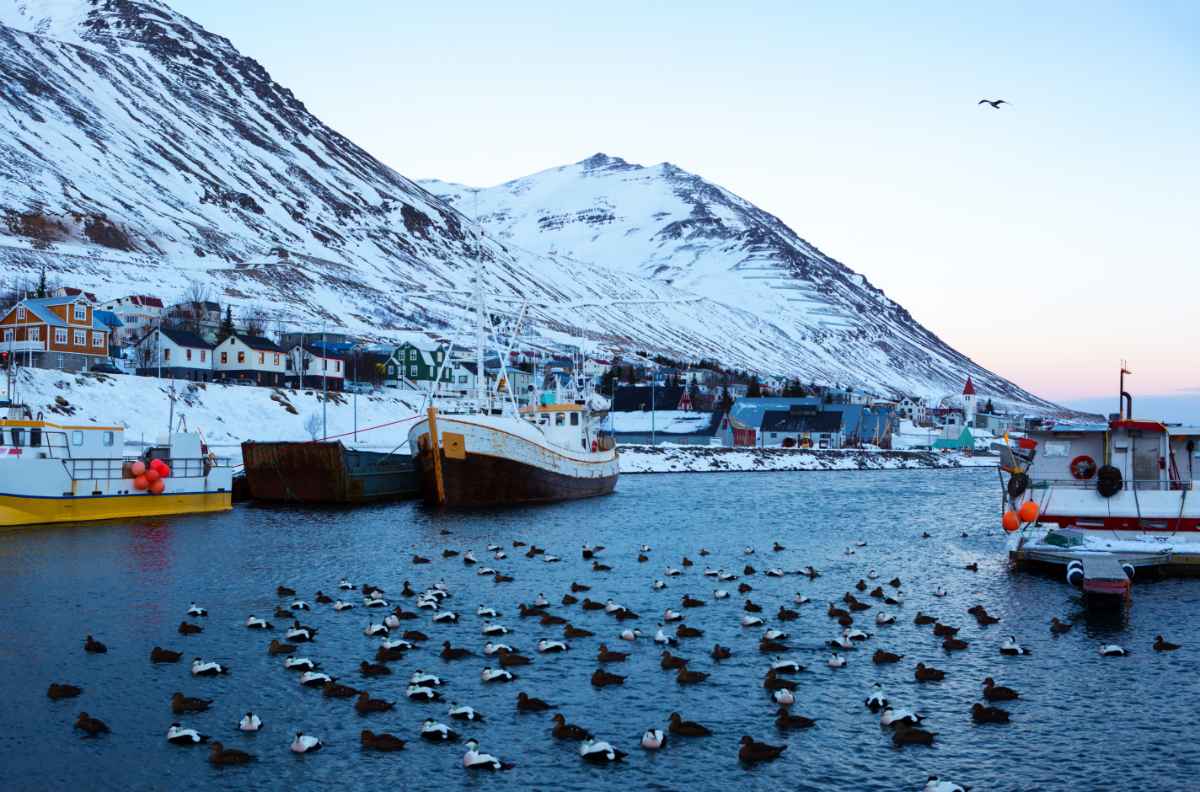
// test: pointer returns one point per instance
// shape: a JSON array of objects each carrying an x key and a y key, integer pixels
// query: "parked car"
[{"x": 105, "y": 368}]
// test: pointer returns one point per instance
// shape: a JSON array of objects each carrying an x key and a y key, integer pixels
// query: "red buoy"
[
  {"x": 1028, "y": 512},
  {"x": 140, "y": 483},
  {"x": 1010, "y": 521},
  {"x": 157, "y": 487}
]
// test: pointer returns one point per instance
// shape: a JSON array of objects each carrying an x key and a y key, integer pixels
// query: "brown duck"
[
  {"x": 160, "y": 655},
  {"x": 923, "y": 619},
  {"x": 982, "y": 714},
  {"x": 744, "y": 588},
  {"x": 944, "y": 630},
  {"x": 753, "y": 752},
  {"x": 388, "y": 655},
  {"x": 670, "y": 662},
  {"x": 994, "y": 692},
  {"x": 690, "y": 602},
  {"x": 785, "y": 720},
  {"x": 954, "y": 644},
  {"x": 549, "y": 620},
  {"x": 218, "y": 754},
  {"x": 569, "y": 600},
  {"x": 771, "y": 647},
  {"x": 380, "y": 742},
  {"x": 721, "y": 652},
  {"x": 912, "y": 735},
  {"x": 93, "y": 726},
  {"x": 570, "y": 631},
  {"x": 1059, "y": 627},
  {"x": 189, "y": 629},
  {"x": 277, "y": 648},
  {"x": 373, "y": 669},
  {"x": 414, "y": 635},
  {"x": 568, "y": 731},
  {"x": 61, "y": 690},
  {"x": 578, "y": 587},
  {"x": 1163, "y": 645},
  {"x": 93, "y": 646},
  {"x": 836, "y": 612},
  {"x": 861, "y": 585},
  {"x": 686, "y": 728},
  {"x": 591, "y": 604},
  {"x": 453, "y": 652},
  {"x": 683, "y": 631},
  {"x": 527, "y": 612},
  {"x": 605, "y": 655},
  {"x": 601, "y": 678},
  {"x": 332, "y": 689},
  {"x": 882, "y": 656},
  {"x": 512, "y": 659},
  {"x": 527, "y": 703},
  {"x": 282, "y": 613},
  {"x": 752, "y": 607},
  {"x": 285, "y": 591},
  {"x": 774, "y": 682},
  {"x": 181, "y": 704},
  {"x": 686, "y": 677},
  {"x": 365, "y": 705},
  {"x": 786, "y": 614},
  {"x": 926, "y": 673}
]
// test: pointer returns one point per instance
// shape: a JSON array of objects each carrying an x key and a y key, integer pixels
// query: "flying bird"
[{"x": 995, "y": 103}]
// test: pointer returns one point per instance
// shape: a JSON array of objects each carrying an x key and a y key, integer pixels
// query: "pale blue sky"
[{"x": 1046, "y": 240}]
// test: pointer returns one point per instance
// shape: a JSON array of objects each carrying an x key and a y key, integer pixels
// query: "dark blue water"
[{"x": 1083, "y": 722}]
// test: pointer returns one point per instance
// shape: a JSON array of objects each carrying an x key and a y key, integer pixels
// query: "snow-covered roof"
[{"x": 40, "y": 307}]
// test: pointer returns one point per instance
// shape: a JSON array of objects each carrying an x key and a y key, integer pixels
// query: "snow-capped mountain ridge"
[{"x": 140, "y": 152}]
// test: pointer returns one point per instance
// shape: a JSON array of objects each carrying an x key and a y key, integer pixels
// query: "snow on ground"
[
  {"x": 670, "y": 421},
  {"x": 225, "y": 414},
  {"x": 704, "y": 459}
]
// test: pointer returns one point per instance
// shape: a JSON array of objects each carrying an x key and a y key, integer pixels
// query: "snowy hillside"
[{"x": 141, "y": 153}]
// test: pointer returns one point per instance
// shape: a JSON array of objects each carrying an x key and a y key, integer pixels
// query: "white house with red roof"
[{"x": 139, "y": 314}]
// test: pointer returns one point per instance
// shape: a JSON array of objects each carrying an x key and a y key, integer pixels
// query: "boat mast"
[{"x": 480, "y": 311}]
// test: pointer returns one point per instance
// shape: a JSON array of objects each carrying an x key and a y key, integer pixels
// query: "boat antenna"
[
  {"x": 480, "y": 307},
  {"x": 1125, "y": 400}
]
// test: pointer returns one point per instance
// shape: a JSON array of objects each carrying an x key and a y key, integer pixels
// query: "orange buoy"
[
  {"x": 152, "y": 475},
  {"x": 137, "y": 468},
  {"x": 140, "y": 483},
  {"x": 157, "y": 464},
  {"x": 1010, "y": 521},
  {"x": 165, "y": 470},
  {"x": 157, "y": 487},
  {"x": 1028, "y": 512}
]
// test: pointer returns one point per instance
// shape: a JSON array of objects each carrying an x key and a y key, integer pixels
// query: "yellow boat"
[{"x": 54, "y": 473}]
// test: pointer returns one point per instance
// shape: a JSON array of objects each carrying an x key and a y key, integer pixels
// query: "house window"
[
  {"x": 166, "y": 354},
  {"x": 276, "y": 359},
  {"x": 187, "y": 354},
  {"x": 412, "y": 354},
  {"x": 241, "y": 356},
  {"x": 80, "y": 337},
  {"x": 462, "y": 379},
  {"x": 80, "y": 312},
  {"x": 324, "y": 365},
  {"x": 98, "y": 340},
  {"x": 262, "y": 357},
  {"x": 35, "y": 334},
  {"x": 60, "y": 335},
  {"x": 203, "y": 355},
  {"x": 412, "y": 371},
  {"x": 8, "y": 336},
  {"x": 20, "y": 313}
]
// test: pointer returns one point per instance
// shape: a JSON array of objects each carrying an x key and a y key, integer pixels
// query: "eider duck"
[
  {"x": 291, "y": 663},
  {"x": 800, "y": 599},
  {"x": 994, "y": 692},
  {"x": 369, "y": 669},
  {"x": 255, "y": 623},
  {"x": 786, "y": 667},
  {"x": 982, "y": 714},
  {"x": 432, "y": 731},
  {"x": 686, "y": 677},
  {"x": 250, "y": 722},
  {"x": 1112, "y": 650},
  {"x": 912, "y": 736},
  {"x": 380, "y": 742},
  {"x": 464, "y": 712},
  {"x": 285, "y": 591},
  {"x": 419, "y": 677},
  {"x": 314, "y": 678},
  {"x": 365, "y": 705},
  {"x": 300, "y": 634},
  {"x": 93, "y": 726},
  {"x": 548, "y": 646},
  {"x": 954, "y": 644},
  {"x": 372, "y": 629},
  {"x": 1059, "y": 627},
  {"x": 474, "y": 760},
  {"x": 601, "y": 678},
  {"x": 333, "y": 689},
  {"x": 683, "y": 631},
  {"x": 305, "y": 743},
  {"x": 626, "y": 634},
  {"x": 836, "y": 661},
  {"x": 926, "y": 673},
  {"x": 207, "y": 668},
  {"x": 456, "y": 652},
  {"x": 447, "y": 617},
  {"x": 599, "y": 752},
  {"x": 59, "y": 691},
  {"x": 489, "y": 674},
  {"x": 490, "y": 648},
  {"x": 672, "y": 616},
  {"x": 934, "y": 784},
  {"x": 661, "y": 637},
  {"x": 658, "y": 585},
  {"x": 775, "y": 635},
  {"x": 160, "y": 655},
  {"x": 196, "y": 610},
  {"x": 720, "y": 594},
  {"x": 1163, "y": 645},
  {"x": 922, "y": 619},
  {"x": 689, "y": 601},
  {"x": 895, "y": 717},
  {"x": 568, "y": 731},
  {"x": 346, "y": 585},
  {"x": 752, "y": 621},
  {"x": 571, "y": 631},
  {"x": 487, "y": 612},
  {"x": 181, "y": 704},
  {"x": 721, "y": 652},
  {"x": 1011, "y": 648},
  {"x": 527, "y": 703},
  {"x": 301, "y": 605},
  {"x": 785, "y": 720},
  {"x": 422, "y": 693},
  {"x": 220, "y": 755},
  {"x": 93, "y": 646},
  {"x": 882, "y": 656},
  {"x": 783, "y": 697},
  {"x": 753, "y": 752},
  {"x": 877, "y": 700},
  {"x": 884, "y": 619},
  {"x": 653, "y": 739},
  {"x": 686, "y": 728}
]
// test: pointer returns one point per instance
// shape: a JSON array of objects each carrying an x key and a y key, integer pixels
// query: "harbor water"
[{"x": 1082, "y": 721}]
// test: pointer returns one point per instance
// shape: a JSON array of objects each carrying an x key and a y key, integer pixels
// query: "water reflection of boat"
[
  {"x": 53, "y": 473},
  {"x": 327, "y": 472},
  {"x": 1093, "y": 498}
]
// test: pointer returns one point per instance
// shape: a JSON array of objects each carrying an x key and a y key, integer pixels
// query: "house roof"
[
  {"x": 793, "y": 421},
  {"x": 635, "y": 398},
  {"x": 40, "y": 307},
  {"x": 257, "y": 342},
  {"x": 71, "y": 291},
  {"x": 107, "y": 317},
  {"x": 181, "y": 338},
  {"x": 146, "y": 300},
  {"x": 316, "y": 350},
  {"x": 969, "y": 388}
]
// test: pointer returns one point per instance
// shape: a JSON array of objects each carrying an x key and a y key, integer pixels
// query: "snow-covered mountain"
[{"x": 141, "y": 153}]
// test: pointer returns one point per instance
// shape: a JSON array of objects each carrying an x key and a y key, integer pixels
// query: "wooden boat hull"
[
  {"x": 482, "y": 463},
  {"x": 17, "y": 510},
  {"x": 327, "y": 473}
]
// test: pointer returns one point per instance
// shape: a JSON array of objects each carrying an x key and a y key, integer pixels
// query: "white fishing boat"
[
  {"x": 1123, "y": 490},
  {"x": 54, "y": 473}
]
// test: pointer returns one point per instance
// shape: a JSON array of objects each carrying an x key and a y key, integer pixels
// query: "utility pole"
[
  {"x": 354, "y": 396},
  {"x": 653, "y": 385},
  {"x": 324, "y": 387}
]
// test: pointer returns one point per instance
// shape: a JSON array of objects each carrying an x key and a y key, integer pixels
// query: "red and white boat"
[{"x": 1123, "y": 490}]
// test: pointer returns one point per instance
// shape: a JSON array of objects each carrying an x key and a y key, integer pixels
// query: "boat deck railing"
[
  {"x": 108, "y": 468},
  {"x": 1142, "y": 485}
]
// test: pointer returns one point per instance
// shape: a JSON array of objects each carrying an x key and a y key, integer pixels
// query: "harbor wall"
[{"x": 710, "y": 459}]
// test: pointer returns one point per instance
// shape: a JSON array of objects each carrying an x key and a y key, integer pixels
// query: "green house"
[
  {"x": 965, "y": 441},
  {"x": 421, "y": 364}
]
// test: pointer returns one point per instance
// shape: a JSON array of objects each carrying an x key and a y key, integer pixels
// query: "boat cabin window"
[
  {"x": 543, "y": 419},
  {"x": 107, "y": 438},
  {"x": 35, "y": 437},
  {"x": 574, "y": 419},
  {"x": 560, "y": 419},
  {"x": 18, "y": 438},
  {"x": 77, "y": 438}
]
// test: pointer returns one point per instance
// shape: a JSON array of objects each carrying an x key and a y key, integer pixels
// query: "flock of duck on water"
[{"x": 396, "y": 641}]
